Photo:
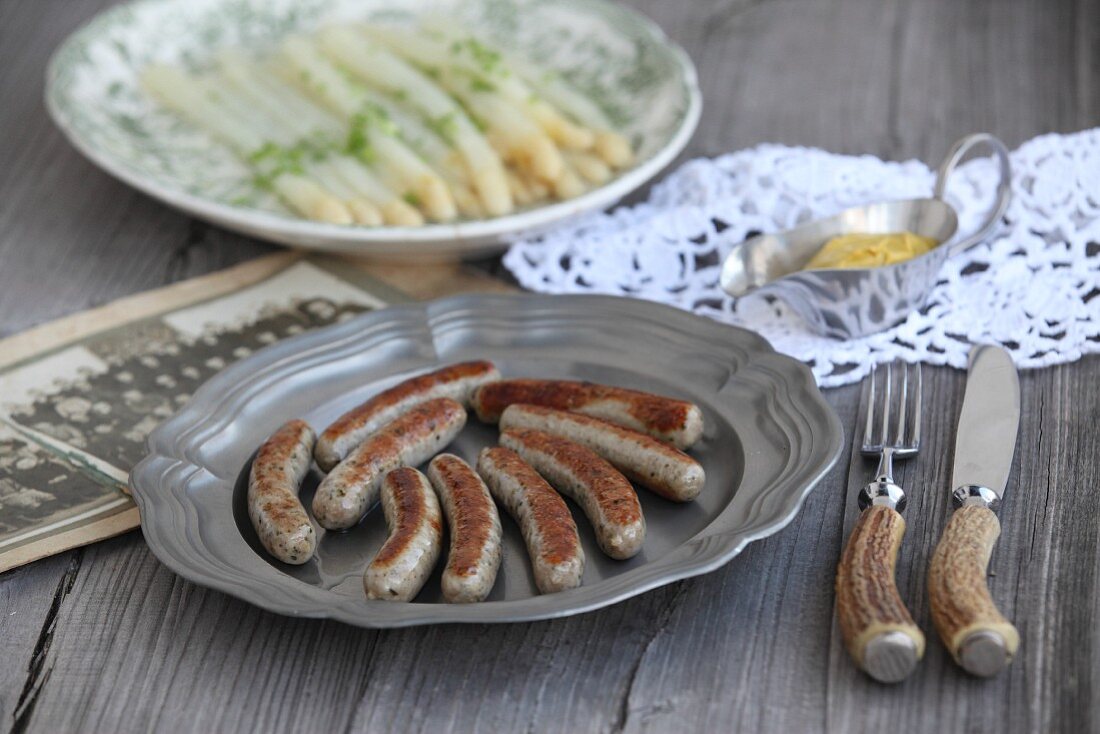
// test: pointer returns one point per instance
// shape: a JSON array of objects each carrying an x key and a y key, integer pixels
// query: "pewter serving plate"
[
  {"x": 769, "y": 438},
  {"x": 645, "y": 83}
]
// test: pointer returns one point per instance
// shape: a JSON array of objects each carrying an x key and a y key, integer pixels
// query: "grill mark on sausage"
[
  {"x": 656, "y": 411},
  {"x": 420, "y": 422},
  {"x": 410, "y": 512},
  {"x": 611, "y": 489},
  {"x": 549, "y": 512},
  {"x": 340, "y": 438},
  {"x": 661, "y": 467},
  {"x": 471, "y": 523},
  {"x": 276, "y": 513},
  {"x": 269, "y": 466},
  {"x": 361, "y": 472},
  {"x": 400, "y": 392}
]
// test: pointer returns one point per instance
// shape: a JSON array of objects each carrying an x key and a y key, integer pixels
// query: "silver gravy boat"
[{"x": 854, "y": 302}]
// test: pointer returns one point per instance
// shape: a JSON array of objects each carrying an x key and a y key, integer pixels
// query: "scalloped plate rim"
[{"x": 793, "y": 489}]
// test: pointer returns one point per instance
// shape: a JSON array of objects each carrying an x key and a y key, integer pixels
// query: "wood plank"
[
  {"x": 167, "y": 654},
  {"x": 30, "y": 598}
]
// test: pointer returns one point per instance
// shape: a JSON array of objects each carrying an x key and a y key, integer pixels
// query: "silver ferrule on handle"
[
  {"x": 1004, "y": 185},
  {"x": 883, "y": 490},
  {"x": 969, "y": 495}
]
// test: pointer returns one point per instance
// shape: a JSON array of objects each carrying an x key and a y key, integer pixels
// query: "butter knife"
[{"x": 980, "y": 639}]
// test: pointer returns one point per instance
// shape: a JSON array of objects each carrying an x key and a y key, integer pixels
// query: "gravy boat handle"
[{"x": 1004, "y": 186}]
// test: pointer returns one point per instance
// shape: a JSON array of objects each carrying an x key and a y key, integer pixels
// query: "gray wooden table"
[{"x": 107, "y": 639}]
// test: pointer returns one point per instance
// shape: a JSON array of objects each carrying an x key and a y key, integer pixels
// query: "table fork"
[{"x": 877, "y": 629}]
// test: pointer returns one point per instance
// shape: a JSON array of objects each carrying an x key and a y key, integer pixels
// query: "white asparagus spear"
[
  {"x": 428, "y": 49},
  {"x": 302, "y": 63},
  {"x": 569, "y": 185},
  {"x": 514, "y": 135},
  {"x": 590, "y": 167},
  {"x": 285, "y": 138},
  {"x": 385, "y": 71},
  {"x": 549, "y": 85},
  {"x": 520, "y": 192},
  {"x": 201, "y": 106},
  {"x": 344, "y": 173},
  {"x": 539, "y": 189},
  {"x": 364, "y": 211},
  {"x": 467, "y": 202},
  {"x": 398, "y": 166},
  {"x": 394, "y": 210}
]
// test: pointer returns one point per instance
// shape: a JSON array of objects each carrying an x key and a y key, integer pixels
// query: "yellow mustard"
[{"x": 860, "y": 250}]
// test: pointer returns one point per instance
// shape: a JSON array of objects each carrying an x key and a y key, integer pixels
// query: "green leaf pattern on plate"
[{"x": 604, "y": 50}]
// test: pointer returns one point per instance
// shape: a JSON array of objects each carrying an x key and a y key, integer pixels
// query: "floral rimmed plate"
[
  {"x": 646, "y": 84},
  {"x": 770, "y": 436}
]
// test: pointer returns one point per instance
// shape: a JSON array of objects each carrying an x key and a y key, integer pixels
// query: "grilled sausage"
[
  {"x": 547, "y": 526},
  {"x": 408, "y": 556},
  {"x": 657, "y": 466},
  {"x": 349, "y": 490},
  {"x": 604, "y": 494},
  {"x": 675, "y": 421},
  {"x": 273, "y": 505},
  {"x": 456, "y": 382},
  {"x": 475, "y": 554}
]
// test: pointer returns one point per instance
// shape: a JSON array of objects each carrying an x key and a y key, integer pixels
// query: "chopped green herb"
[
  {"x": 411, "y": 198},
  {"x": 264, "y": 152},
  {"x": 272, "y": 161},
  {"x": 445, "y": 126},
  {"x": 481, "y": 84},
  {"x": 488, "y": 59},
  {"x": 358, "y": 140},
  {"x": 347, "y": 73},
  {"x": 479, "y": 123},
  {"x": 378, "y": 117}
]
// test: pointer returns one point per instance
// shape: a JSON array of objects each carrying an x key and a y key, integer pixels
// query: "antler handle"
[
  {"x": 878, "y": 631},
  {"x": 981, "y": 640}
]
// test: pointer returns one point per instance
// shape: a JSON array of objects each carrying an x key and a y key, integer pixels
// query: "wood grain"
[
  {"x": 867, "y": 600},
  {"x": 106, "y": 639}
]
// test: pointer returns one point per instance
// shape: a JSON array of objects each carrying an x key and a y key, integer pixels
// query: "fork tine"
[
  {"x": 886, "y": 399},
  {"x": 903, "y": 404},
  {"x": 915, "y": 439},
  {"x": 867, "y": 404}
]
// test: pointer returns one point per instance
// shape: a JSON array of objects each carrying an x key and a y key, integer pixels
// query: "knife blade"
[
  {"x": 990, "y": 417},
  {"x": 978, "y": 636}
]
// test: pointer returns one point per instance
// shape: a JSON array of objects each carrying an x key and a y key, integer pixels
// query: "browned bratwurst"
[
  {"x": 273, "y": 505},
  {"x": 549, "y": 532},
  {"x": 456, "y": 382},
  {"x": 665, "y": 470},
  {"x": 605, "y": 495},
  {"x": 675, "y": 421},
  {"x": 408, "y": 556},
  {"x": 349, "y": 490},
  {"x": 472, "y": 518}
]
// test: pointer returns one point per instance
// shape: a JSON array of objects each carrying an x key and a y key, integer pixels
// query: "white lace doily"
[{"x": 1033, "y": 287}]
